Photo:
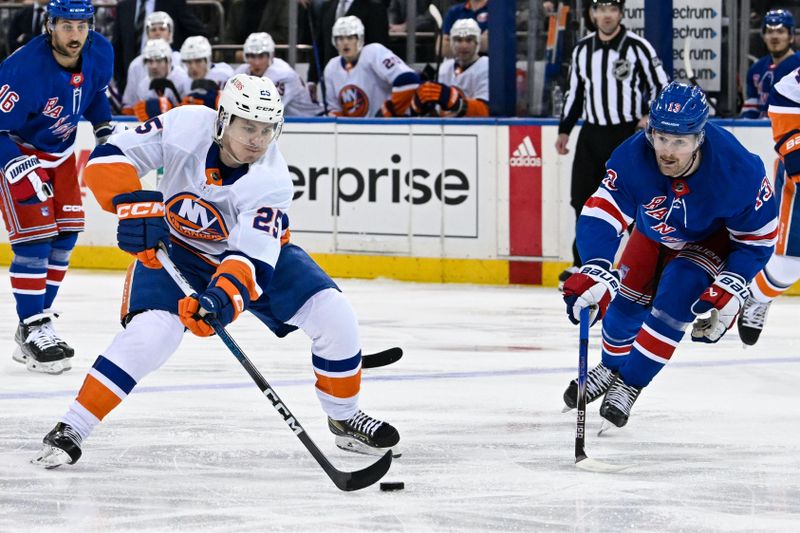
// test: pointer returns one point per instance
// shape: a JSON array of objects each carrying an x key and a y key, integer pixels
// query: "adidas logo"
[{"x": 525, "y": 155}]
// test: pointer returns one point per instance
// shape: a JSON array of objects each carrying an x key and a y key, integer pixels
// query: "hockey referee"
[{"x": 614, "y": 74}]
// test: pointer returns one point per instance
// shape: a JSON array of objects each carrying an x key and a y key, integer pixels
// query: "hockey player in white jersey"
[
  {"x": 207, "y": 77},
  {"x": 221, "y": 209},
  {"x": 366, "y": 81},
  {"x": 158, "y": 25},
  {"x": 259, "y": 52},
  {"x": 161, "y": 88},
  {"x": 462, "y": 89}
]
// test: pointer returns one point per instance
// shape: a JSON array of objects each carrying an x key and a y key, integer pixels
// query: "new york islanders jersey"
[
  {"x": 42, "y": 103},
  {"x": 729, "y": 189},
  {"x": 761, "y": 77},
  {"x": 137, "y": 70},
  {"x": 177, "y": 76},
  {"x": 219, "y": 73},
  {"x": 473, "y": 80},
  {"x": 212, "y": 212},
  {"x": 784, "y": 111},
  {"x": 360, "y": 90},
  {"x": 294, "y": 94}
]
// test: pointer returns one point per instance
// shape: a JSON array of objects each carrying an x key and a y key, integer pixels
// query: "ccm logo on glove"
[{"x": 140, "y": 210}]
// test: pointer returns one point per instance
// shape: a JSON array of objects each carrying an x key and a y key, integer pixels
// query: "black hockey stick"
[
  {"x": 346, "y": 481},
  {"x": 437, "y": 17},
  {"x": 384, "y": 358},
  {"x": 320, "y": 68},
  {"x": 581, "y": 460}
]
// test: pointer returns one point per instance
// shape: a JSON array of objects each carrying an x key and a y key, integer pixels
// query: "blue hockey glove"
[
  {"x": 594, "y": 285},
  {"x": 721, "y": 302},
  {"x": 142, "y": 225}
]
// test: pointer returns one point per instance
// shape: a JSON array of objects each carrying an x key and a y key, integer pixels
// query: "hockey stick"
[
  {"x": 383, "y": 358},
  {"x": 346, "y": 481},
  {"x": 437, "y": 18},
  {"x": 315, "y": 49},
  {"x": 690, "y": 75},
  {"x": 581, "y": 460}
]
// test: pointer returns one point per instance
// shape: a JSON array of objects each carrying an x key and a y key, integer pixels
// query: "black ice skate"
[
  {"x": 751, "y": 320},
  {"x": 69, "y": 351},
  {"x": 62, "y": 446},
  {"x": 38, "y": 348},
  {"x": 597, "y": 382},
  {"x": 617, "y": 404},
  {"x": 363, "y": 434}
]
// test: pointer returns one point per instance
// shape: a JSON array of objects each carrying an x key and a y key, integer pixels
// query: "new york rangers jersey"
[
  {"x": 212, "y": 211},
  {"x": 137, "y": 71},
  {"x": 729, "y": 189},
  {"x": 784, "y": 111},
  {"x": 360, "y": 90},
  {"x": 294, "y": 93},
  {"x": 42, "y": 103},
  {"x": 761, "y": 76},
  {"x": 473, "y": 80}
]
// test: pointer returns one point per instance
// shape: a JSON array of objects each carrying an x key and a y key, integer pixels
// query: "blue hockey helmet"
[
  {"x": 679, "y": 109},
  {"x": 777, "y": 18},
  {"x": 70, "y": 9}
]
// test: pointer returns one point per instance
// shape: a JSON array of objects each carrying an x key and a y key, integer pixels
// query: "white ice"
[{"x": 477, "y": 399}]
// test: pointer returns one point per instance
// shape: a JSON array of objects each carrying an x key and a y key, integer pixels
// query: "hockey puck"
[{"x": 389, "y": 486}]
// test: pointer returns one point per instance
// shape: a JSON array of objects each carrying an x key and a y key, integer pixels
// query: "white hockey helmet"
[
  {"x": 347, "y": 26},
  {"x": 196, "y": 47},
  {"x": 157, "y": 49},
  {"x": 251, "y": 98},
  {"x": 259, "y": 43},
  {"x": 466, "y": 28},
  {"x": 160, "y": 18}
]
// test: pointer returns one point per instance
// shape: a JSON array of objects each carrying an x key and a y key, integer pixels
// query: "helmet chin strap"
[
  {"x": 229, "y": 154},
  {"x": 689, "y": 166}
]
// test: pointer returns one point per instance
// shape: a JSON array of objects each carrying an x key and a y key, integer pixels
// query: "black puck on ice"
[{"x": 389, "y": 486}]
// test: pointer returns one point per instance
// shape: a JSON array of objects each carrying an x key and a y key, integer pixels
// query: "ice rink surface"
[{"x": 476, "y": 398}]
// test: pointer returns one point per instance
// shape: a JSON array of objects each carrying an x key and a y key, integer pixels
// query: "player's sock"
[
  {"x": 28, "y": 274},
  {"x": 58, "y": 262}
]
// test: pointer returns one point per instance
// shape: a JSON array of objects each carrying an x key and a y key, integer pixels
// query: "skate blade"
[
  {"x": 566, "y": 409},
  {"x": 593, "y": 465},
  {"x": 607, "y": 427},
  {"x": 53, "y": 367},
  {"x": 51, "y": 457},
  {"x": 18, "y": 356},
  {"x": 350, "y": 444}
]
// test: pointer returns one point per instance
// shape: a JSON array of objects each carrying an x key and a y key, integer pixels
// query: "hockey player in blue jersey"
[
  {"x": 705, "y": 224},
  {"x": 777, "y": 30},
  {"x": 45, "y": 88}
]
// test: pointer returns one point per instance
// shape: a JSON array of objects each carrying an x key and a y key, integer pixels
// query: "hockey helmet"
[
  {"x": 70, "y": 9},
  {"x": 196, "y": 47},
  {"x": 259, "y": 43},
  {"x": 466, "y": 28},
  {"x": 160, "y": 18},
  {"x": 157, "y": 49},
  {"x": 251, "y": 98},
  {"x": 679, "y": 109},
  {"x": 346, "y": 27},
  {"x": 778, "y": 18}
]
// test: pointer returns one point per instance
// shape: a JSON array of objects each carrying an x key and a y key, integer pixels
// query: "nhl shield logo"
[{"x": 622, "y": 69}]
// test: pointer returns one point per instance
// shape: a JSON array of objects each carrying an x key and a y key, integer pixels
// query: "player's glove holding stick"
[
  {"x": 142, "y": 226},
  {"x": 722, "y": 302},
  {"x": 594, "y": 285}
]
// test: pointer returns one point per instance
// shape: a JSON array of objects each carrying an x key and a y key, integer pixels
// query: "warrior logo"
[
  {"x": 354, "y": 100},
  {"x": 196, "y": 218},
  {"x": 622, "y": 69}
]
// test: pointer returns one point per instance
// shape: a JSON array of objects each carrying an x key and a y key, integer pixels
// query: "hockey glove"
[
  {"x": 422, "y": 109},
  {"x": 162, "y": 85},
  {"x": 448, "y": 98},
  {"x": 28, "y": 182},
  {"x": 152, "y": 107},
  {"x": 102, "y": 132},
  {"x": 224, "y": 299},
  {"x": 722, "y": 301},
  {"x": 203, "y": 92},
  {"x": 594, "y": 285},
  {"x": 142, "y": 225}
]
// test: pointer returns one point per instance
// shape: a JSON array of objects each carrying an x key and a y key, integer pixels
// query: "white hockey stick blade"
[
  {"x": 593, "y": 465},
  {"x": 436, "y": 14}
]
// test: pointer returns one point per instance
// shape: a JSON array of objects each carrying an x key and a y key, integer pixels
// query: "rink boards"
[{"x": 478, "y": 201}]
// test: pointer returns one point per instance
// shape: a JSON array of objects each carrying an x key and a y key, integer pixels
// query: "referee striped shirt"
[{"x": 611, "y": 82}]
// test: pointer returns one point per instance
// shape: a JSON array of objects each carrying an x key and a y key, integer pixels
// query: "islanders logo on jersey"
[
  {"x": 354, "y": 100},
  {"x": 195, "y": 218}
]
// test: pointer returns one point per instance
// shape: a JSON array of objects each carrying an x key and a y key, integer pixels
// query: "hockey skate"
[
  {"x": 751, "y": 320},
  {"x": 617, "y": 404},
  {"x": 363, "y": 434},
  {"x": 38, "y": 348},
  {"x": 62, "y": 446},
  {"x": 564, "y": 276},
  {"x": 69, "y": 351},
  {"x": 597, "y": 382}
]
